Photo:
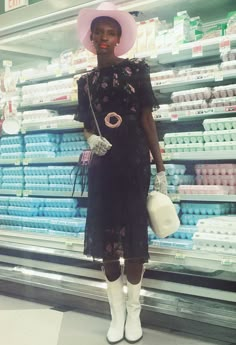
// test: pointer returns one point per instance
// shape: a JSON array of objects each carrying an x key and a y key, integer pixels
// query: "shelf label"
[
  {"x": 18, "y": 193},
  {"x": 226, "y": 262},
  {"x": 48, "y": 126},
  {"x": 17, "y": 162},
  {"x": 26, "y": 161},
  {"x": 174, "y": 117},
  {"x": 225, "y": 45},
  {"x": 166, "y": 156},
  {"x": 180, "y": 256},
  {"x": 219, "y": 76},
  {"x": 27, "y": 193},
  {"x": 197, "y": 51},
  {"x": 175, "y": 197},
  {"x": 230, "y": 108}
]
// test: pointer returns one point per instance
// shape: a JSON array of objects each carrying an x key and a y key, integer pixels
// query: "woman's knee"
[{"x": 112, "y": 269}]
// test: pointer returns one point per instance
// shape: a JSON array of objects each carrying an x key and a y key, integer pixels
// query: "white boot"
[
  {"x": 116, "y": 299},
  {"x": 133, "y": 328}
]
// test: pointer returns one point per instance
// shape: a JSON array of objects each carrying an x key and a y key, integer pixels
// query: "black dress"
[{"x": 118, "y": 182}]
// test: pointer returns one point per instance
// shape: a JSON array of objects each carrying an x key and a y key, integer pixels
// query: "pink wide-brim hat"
[{"x": 126, "y": 21}]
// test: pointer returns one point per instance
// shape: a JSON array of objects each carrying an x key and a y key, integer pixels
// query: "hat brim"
[{"x": 126, "y": 21}]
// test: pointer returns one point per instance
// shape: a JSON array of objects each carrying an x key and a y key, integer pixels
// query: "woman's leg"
[
  {"x": 134, "y": 271},
  {"x": 116, "y": 298}
]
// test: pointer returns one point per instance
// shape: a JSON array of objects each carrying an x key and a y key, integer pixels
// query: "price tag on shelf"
[
  {"x": 230, "y": 108},
  {"x": 197, "y": 51},
  {"x": 219, "y": 76},
  {"x": 48, "y": 126},
  {"x": 18, "y": 193},
  {"x": 174, "y": 117},
  {"x": 175, "y": 197},
  {"x": 225, "y": 45},
  {"x": 26, "y": 161},
  {"x": 17, "y": 162},
  {"x": 180, "y": 256},
  {"x": 226, "y": 262},
  {"x": 166, "y": 156}
]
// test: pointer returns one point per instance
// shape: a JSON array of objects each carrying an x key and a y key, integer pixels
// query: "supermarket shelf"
[
  {"x": 40, "y": 126},
  {"x": 10, "y": 192},
  {"x": 50, "y": 160},
  {"x": 192, "y": 115},
  {"x": 72, "y": 247},
  {"x": 49, "y": 105},
  {"x": 50, "y": 77},
  {"x": 210, "y": 47},
  {"x": 15, "y": 161},
  {"x": 203, "y": 197},
  {"x": 57, "y": 194},
  {"x": 201, "y": 155},
  {"x": 179, "y": 84}
]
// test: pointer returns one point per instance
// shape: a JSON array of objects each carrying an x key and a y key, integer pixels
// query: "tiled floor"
[{"x": 28, "y": 323}]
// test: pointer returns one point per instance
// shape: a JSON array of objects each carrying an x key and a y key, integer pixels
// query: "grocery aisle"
[{"x": 29, "y": 323}]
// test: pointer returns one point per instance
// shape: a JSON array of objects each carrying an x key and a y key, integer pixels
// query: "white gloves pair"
[
  {"x": 160, "y": 184},
  {"x": 99, "y": 145}
]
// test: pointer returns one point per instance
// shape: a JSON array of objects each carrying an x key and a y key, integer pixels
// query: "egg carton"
[
  {"x": 192, "y": 219},
  {"x": 71, "y": 137},
  {"x": 224, "y": 91},
  {"x": 64, "y": 179},
  {"x": 12, "y": 186},
  {"x": 228, "y": 65},
  {"x": 184, "y": 148},
  {"x": 16, "y": 171},
  {"x": 175, "y": 169},
  {"x": 12, "y": 148},
  {"x": 198, "y": 72},
  {"x": 43, "y": 179},
  {"x": 4, "y": 200},
  {"x": 41, "y": 138},
  {"x": 26, "y": 202},
  {"x": 183, "y": 138},
  {"x": 59, "y": 212},
  {"x": 11, "y": 140},
  {"x": 223, "y": 102},
  {"x": 23, "y": 211},
  {"x": 211, "y": 190},
  {"x": 72, "y": 225},
  {"x": 163, "y": 75},
  {"x": 61, "y": 202},
  {"x": 61, "y": 169},
  {"x": 225, "y": 225},
  {"x": 39, "y": 146},
  {"x": 3, "y": 210},
  {"x": 205, "y": 208},
  {"x": 15, "y": 155},
  {"x": 36, "y": 171},
  {"x": 219, "y": 124},
  {"x": 220, "y": 135},
  {"x": 193, "y": 105},
  {"x": 177, "y": 180},
  {"x": 221, "y": 146},
  {"x": 38, "y": 114},
  {"x": 192, "y": 95},
  {"x": 229, "y": 56},
  {"x": 172, "y": 243},
  {"x": 40, "y": 154},
  {"x": 13, "y": 179},
  {"x": 215, "y": 169},
  {"x": 222, "y": 180},
  {"x": 36, "y": 186},
  {"x": 220, "y": 241}
]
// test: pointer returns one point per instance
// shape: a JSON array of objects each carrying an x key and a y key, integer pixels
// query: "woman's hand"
[
  {"x": 160, "y": 184},
  {"x": 98, "y": 145}
]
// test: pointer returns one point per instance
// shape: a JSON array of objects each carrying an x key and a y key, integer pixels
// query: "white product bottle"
[{"x": 163, "y": 218}]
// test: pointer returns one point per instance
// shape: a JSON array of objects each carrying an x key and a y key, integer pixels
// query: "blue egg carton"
[
  {"x": 68, "y": 137},
  {"x": 205, "y": 208},
  {"x": 60, "y": 212},
  {"x": 60, "y": 187},
  {"x": 61, "y": 179},
  {"x": 15, "y": 155},
  {"x": 42, "y": 179},
  {"x": 83, "y": 212},
  {"x": 177, "y": 180},
  {"x": 60, "y": 170},
  {"x": 12, "y": 186},
  {"x": 75, "y": 153},
  {"x": 40, "y": 154},
  {"x": 60, "y": 202},
  {"x": 35, "y": 171},
  {"x": 3, "y": 209},
  {"x": 174, "y": 169},
  {"x": 4, "y": 200},
  {"x": 42, "y": 138},
  {"x": 26, "y": 202},
  {"x": 184, "y": 232},
  {"x": 173, "y": 243},
  {"x": 39, "y": 147},
  {"x": 11, "y": 140},
  {"x": 172, "y": 189},
  {"x": 192, "y": 219},
  {"x": 13, "y": 171},
  {"x": 12, "y": 148},
  {"x": 34, "y": 186},
  {"x": 22, "y": 211},
  {"x": 72, "y": 146},
  {"x": 177, "y": 207},
  {"x": 13, "y": 179}
]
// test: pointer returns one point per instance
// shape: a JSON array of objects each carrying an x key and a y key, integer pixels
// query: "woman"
[{"x": 119, "y": 174}]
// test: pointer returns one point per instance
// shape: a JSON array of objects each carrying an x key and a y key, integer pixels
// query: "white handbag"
[{"x": 163, "y": 217}]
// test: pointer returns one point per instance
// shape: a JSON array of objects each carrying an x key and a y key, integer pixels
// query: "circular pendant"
[{"x": 108, "y": 118}]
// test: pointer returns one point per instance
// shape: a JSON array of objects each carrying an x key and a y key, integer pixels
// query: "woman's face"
[{"x": 105, "y": 37}]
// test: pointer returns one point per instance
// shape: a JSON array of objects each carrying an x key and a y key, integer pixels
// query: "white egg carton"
[
  {"x": 228, "y": 65},
  {"x": 225, "y": 225},
  {"x": 219, "y": 124},
  {"x": 204, "y": 93},
  {"x": 214, "y": 243},
  {"x": 193, "y": 105},
  {"x": 198, "y": 72},
  {"x": 163, "y": 75},
  {"x": 224, "y": 91}
]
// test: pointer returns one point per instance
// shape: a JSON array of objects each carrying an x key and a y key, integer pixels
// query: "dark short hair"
[{"x": 106, "y": 19}]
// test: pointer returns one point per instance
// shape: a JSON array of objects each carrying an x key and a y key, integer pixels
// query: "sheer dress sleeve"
[{"x": 83, "y": 113}]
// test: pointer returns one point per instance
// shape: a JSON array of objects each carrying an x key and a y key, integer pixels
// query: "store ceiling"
[{"x": 41, "y": 47}]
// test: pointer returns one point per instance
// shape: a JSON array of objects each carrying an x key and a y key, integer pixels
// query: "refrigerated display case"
[{"x": 190, "y": 280}]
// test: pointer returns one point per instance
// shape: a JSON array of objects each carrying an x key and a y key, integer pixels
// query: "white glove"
[
  {"x": 98, "y": 145},
  {"x": 160, "y": 184}
]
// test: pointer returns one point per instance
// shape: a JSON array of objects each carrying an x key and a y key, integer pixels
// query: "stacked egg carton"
[
  {"x": 190, "y": 99},
  {"x": 216, "y": 235},
  {"x": 72, "y": 144},
  {"x": 30, "y": 117},
  {"x": 184, "y": 142},
  {"x": 36, "y": 178},
  {"x": 12, "y": 147},
  {"x": 220, "y": 134},
  {"x": 64, "y": 178},
  {"x": 41, "y": 145},
  {"x": 43, "y": 215},
  {"x": 220, "y": 177},
  {"x": 12, "y": 178}
]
